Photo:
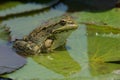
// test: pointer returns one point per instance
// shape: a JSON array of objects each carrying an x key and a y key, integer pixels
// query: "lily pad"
[
  {"x": 91, "y": 49},
  {"x": 103, "y": 47},
  {"x": 109, "y": 18},
  {"x": 9, "y": 60},
  {"x": 60, "y": 62}
]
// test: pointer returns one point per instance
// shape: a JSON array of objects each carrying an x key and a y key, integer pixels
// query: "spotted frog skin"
[{"x": 47, "y": 37}]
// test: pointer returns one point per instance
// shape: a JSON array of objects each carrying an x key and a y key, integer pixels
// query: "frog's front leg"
[{"x": 46, "y": 47}]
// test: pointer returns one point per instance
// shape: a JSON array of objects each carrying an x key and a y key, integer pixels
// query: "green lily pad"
[
  {"x": 102, "y": 77},
  {"x": 103, "y": 47},
  {"x": 103, "y": 38},
  {"x": 110, "y": 17},
  {"x": 92, "y": 46},
  {"x": 60, "y": 62}
]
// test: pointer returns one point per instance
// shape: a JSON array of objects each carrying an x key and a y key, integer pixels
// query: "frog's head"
[
  {"x": 61, "y": 33},
  {"x": 66, "y": 24},
  {"x": 25, "y": 47}
]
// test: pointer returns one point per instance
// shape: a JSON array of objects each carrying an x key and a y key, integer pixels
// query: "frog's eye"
[{"x": 63, "y": 22}]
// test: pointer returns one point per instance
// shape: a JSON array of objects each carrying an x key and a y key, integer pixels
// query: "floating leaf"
[
  {"x": 103, "y": 48},
  {"x": 102, "y": 77},
  {"x": 59, "y": 61},
  {"x": 92, "y": 50},
  {"x": 9, "y": 60},
  {"x": 110, "y": 18}
]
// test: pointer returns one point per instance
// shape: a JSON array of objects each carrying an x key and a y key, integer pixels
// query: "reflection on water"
[
  {"x": 78, "y": 44},
  {"x": 23, "y": 25}
]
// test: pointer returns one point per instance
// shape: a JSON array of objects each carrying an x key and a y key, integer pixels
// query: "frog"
[{"x": 46, "y": 38}]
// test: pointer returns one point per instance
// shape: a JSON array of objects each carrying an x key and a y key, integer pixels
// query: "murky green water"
[{"x": 87, "y": 50}]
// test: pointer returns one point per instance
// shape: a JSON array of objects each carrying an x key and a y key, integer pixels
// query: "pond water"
[{"x": 88, "y": 49}]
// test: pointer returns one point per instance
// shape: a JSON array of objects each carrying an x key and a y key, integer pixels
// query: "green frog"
[{"x": 46, "y": 38}]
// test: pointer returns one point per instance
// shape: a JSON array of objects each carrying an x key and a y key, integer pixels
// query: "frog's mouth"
[{"x": 65, "y": 28}]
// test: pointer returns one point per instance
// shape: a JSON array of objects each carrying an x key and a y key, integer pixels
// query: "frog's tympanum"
[{"x": 46, "y": 38}]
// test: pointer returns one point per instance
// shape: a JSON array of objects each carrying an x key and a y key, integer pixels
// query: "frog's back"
[{"x": 41, "y": 33}]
